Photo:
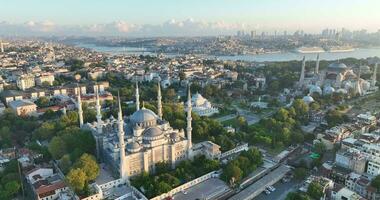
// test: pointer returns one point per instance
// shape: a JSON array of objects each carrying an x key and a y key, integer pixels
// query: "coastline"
[{"x": 271, "y": 56}]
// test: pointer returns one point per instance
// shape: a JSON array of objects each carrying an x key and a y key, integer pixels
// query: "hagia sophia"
[{"x": 337, "y": 77}]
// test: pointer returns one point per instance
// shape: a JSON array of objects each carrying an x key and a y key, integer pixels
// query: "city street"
[{"x": 282, "y": 189}]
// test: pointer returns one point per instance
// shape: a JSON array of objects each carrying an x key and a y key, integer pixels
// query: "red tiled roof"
[{"x": 41, "y": 191}]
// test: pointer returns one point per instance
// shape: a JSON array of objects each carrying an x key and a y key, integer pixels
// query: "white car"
[
  {"x": 184, "y": 191},
  {"x": 270, "y": 188},
  {"x": 267, "y": 192}
]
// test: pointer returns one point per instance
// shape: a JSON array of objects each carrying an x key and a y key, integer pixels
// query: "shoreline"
[{"x": 273, "y": 56}]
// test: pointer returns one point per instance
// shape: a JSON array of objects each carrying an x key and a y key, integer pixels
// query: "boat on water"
[
  {"x": 338, "y": 49},
  {"x": 309, "y": 50}
]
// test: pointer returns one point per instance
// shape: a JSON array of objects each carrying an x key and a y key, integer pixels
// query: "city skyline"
[{"x": 185, "y": 18}]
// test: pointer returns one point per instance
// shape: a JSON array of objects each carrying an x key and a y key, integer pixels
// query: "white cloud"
[{"x": 188, "y": 27}]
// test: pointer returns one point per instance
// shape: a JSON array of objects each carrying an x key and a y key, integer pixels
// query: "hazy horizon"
[{"x": 183, "y": 18}]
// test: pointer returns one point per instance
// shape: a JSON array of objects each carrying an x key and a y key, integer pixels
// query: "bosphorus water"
[{"x": 269, "y": 57}]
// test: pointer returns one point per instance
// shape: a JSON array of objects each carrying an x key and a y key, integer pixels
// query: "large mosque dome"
[
  {"x": 144, "y": 117},
  {"x": 308, "y": 99},
  {"x": 328, "y": 90},
  {"x": 198, "y": 99},
  {"x": 315, "y": 89},
  {"x": 337, "y": 66}
]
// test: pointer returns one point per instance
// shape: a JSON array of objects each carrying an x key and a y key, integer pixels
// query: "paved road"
[
  {"x": 256, "y": 188},
  {"x": 282, "y": 189},
  {"x": 226, "y": 118}
]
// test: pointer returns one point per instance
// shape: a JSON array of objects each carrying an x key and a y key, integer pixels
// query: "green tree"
[
  {"x": 376, "y": 183},
  {"x": 242, "y": 123},
  {"x": 300, "y": 173},
  {"x": 315, "y": 106},
  {"x": 45, "y": 131},
  {"x": 162, "y": 167},
  {"x": 296, "y": 196},
  {"x": 57, "y": 147},
  {"x": 76, "y": 178},
  {"x": 70, "y": 119},
  {"x": 319, "y": 148},
  {"x": 88, "y": 165},
  {"x": 232, "y": 173},
  {"x": 65, "y": 163},
  {"x": 315, "y": 190},
  {"x": 46, "y": 84},
  {"x": 89, "y": 114},
  {"x": 301, "y": 109},
  {"x": 12, "y": 187},
  {"x": 42, "y": 102},
  {"x": 5, "y": 137},
  {"x": 334, "y": 117},
  {"x": 163, "y": 187},
  {"x": 171, "y": 95},
  {"x": 75, "y": 64}
]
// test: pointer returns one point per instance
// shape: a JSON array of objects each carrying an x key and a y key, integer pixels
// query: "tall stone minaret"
[
  {"x": 120, "y": 123},
  {"x": 358, "y": 88},
  {"x": 137, "y": 97},
  {"x": 189, "y": 119},
  {"x": 99, "y": 128},
  {"x": 80, "y": 111},
  {"x": 317, "y": 65},
  {"x": 302, "y": 76},
  {"x": 159, "y": 103},
  {"x": 373, "y": 81}
]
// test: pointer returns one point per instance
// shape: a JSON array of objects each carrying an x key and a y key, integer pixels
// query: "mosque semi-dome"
[
  {"x": 133, "y": 147},
  {"x": 152, "y": 133}
]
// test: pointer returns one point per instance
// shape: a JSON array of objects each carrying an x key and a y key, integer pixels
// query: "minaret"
[
  {"x": 80, "y": 111},
  {"x": 99, "y": 128},
  {"x": 373, "y": 82},
  {"x": 159, "y": 103},
  {"x": 317, "y": 65},
  {"x": 302, "y": 76},
  {"x": 189, "y": 119},
  {"x": 120, "y": 123},
  {"x": 137, "y": 97},
  {"x": 358, "y": 88}
]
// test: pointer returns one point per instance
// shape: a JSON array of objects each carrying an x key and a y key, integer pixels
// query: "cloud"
[{"x": 172, "y": 27}]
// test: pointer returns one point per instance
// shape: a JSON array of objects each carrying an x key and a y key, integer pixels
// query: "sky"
[{"x": 183, "y": 17}]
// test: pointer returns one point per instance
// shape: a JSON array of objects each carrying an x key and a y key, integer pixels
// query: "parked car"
[{"x": 271, "y": 188}]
